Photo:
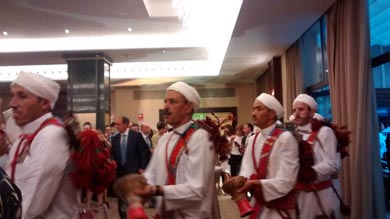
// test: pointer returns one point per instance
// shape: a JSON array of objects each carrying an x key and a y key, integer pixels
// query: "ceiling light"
[
  {"x": 55, "y": 72},
  {"x": 129, "y": 29},
  {"x": 5, "y": 33},
  {"x": 67, "y": 31},
  {"x": 208, "y": 27},
  {"x": 159, "y": 8},
  {"x": 181, "y": 40},
  {"x": 130, "y": 70},
  {"x": 125, "y": 70}
]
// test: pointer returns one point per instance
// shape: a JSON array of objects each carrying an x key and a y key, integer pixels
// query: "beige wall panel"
[{"x": 123, "y": 104}]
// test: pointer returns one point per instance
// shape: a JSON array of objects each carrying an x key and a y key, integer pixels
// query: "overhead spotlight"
[
  {"x": 67, "y": 31},
  {"x": 5, "y": 33},
  {"x": 129, "y": 29}
]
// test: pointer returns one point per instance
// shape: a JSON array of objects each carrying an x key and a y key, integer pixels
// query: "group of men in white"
[{"x": 181, "y": 170}]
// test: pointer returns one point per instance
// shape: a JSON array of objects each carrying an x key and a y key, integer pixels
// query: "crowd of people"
[{"x": 289, "y": 173}]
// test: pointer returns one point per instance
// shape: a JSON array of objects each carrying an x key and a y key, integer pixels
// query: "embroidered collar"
[
  {"x": 267, "y": 131},
  {"x": 182, "y": 129},
  {"x": 34, "y": 125},
  {"x": 305, "y": 129}
]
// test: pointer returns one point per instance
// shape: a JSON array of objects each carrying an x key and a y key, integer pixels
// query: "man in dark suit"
[
  {"x": 130, "y": 152},
  {"x": 146, "y": 133}
]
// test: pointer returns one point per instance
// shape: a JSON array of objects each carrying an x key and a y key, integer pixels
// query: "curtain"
[
  {"x": 294, "y": 78},
  {"x": 354, "y": 105},
  {"x": 263, "y": 83}
]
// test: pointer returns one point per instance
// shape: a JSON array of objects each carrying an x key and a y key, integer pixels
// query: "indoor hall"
[{"x": 118, "y": 58}]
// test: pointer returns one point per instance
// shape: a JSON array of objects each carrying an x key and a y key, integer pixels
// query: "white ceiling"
[{"x": 264, "y": 29}]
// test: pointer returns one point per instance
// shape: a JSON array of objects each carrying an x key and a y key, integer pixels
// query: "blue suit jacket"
[{"x": 137, "y": 155}]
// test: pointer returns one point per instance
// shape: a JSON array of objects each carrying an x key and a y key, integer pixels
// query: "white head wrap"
[
  {"x": 304, "y": 98},
  {"x": 315, "y": 116},
  {"x": 39, "y": 85},
  {"x": 271, "y": 103},
  {"x": 319, "y": 117},
  {"x": 187, "y": 91}
]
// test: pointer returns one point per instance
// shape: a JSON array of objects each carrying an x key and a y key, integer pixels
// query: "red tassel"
[
  {"x": 221, "y": 144},
  {"x": 92, "y": 168}
]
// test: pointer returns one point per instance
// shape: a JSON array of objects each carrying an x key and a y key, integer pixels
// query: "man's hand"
[
  {"x": 249, "y": 184},
  {"x": 146, "y": 193},
  {"x": 149, "y": 191}
]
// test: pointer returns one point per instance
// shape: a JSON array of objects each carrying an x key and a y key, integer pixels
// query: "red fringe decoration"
[
  {"x": 221, "y": 144},
  {"x": 306, "y": 172},
  {"x": 342, "y": 135},
  {"x": 93, "y": 169}
]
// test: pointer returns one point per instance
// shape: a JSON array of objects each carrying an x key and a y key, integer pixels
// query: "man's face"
[
  {"x": 134, "y": 127},
  {"x": 246, "y": 130},
  {"x": 26, "y": 106},
  {"x": 177, "y": 110},
  {"x": 108, "y": 130},
  {"x": 239, "y": 131},
  {"x": 120, "y": 126},
  {"x": 303, "y": 114},
  {"x": 145, "y": 129},
  {"x": 87, "y": 127},
  {"x": 163, "y": 130},
  {"x": 262, "y": 116}
]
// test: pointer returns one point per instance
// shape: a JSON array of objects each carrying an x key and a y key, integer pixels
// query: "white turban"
[
  {"x": 315, "y": 116},
  {"x": 187, "y": 91},
  {"x": 271, "y": 103},
  {"x": 319, "y": 117},
  {"x": 304, "y": 98},
  {"x": 39, "y": 85}
]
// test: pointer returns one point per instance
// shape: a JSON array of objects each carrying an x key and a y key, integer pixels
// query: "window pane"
[
  {"x": 381, "y": 76},
  {"x": 322, "y": 97},
  {"x": 379, "y": 12},
  {"x": 313, "y": 55}
]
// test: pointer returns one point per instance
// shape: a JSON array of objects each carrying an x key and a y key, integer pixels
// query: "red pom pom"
[{"x": 92, "y": 168}]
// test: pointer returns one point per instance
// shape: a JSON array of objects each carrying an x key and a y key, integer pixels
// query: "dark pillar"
[
  {"x": 275, "y": 67},
  {"x": 89, "y": 85}
]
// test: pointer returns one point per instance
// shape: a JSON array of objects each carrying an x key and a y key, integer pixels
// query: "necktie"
[
  {"x": 123, "y": 148},
  {"x": 148, "y": 142}
]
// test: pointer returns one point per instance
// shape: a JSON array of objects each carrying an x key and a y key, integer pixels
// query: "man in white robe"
[
  {"x": 327, "y": 162},
  {"x": 192, "y": 194},
  {"x": 40, "y": 171},
  {"x": 283, "y": 164}
]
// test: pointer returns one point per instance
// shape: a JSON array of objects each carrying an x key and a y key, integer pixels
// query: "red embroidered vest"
[
  {"x": 25, "y": 142},
  {"x": 281, "y": 204},
  {"x": 180, "y": 147}
]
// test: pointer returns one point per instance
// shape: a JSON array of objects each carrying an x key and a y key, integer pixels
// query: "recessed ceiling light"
[
  {"x": 5, "y": 33},
  {"x": 129, "y": 29},
  {"x": 67, "y": 31}
]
